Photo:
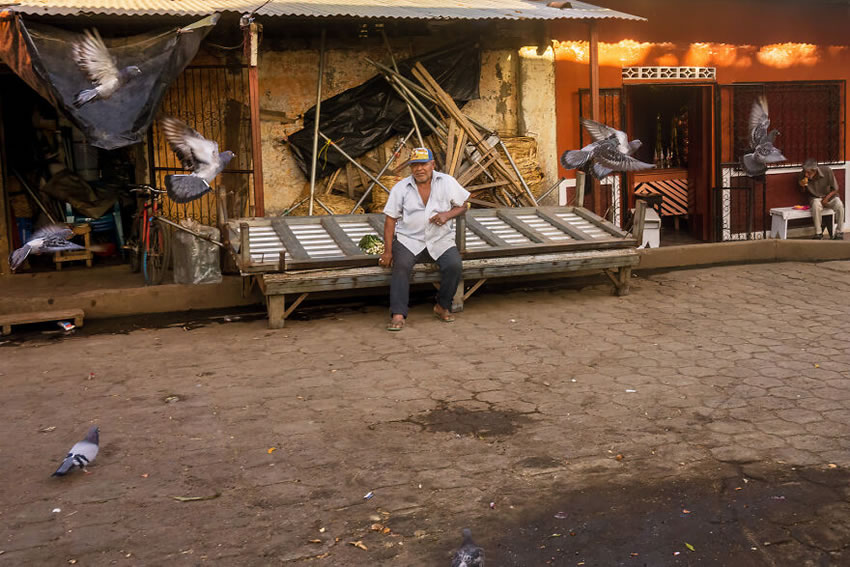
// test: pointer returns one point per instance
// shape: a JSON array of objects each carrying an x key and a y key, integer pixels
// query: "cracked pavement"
[{"x": 710, "y": 407}]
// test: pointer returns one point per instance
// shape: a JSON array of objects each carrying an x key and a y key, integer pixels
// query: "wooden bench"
[
  {"x": 780, "y": 216},
  {"x": 6, "y": 321},
  {"x": 617, "y": 264}
]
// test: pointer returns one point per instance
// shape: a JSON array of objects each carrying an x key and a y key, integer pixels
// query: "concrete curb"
[{"x": 751, "y": 251}]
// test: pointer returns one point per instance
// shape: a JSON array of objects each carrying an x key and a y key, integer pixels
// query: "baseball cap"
[{"x": 420, "y": 155}]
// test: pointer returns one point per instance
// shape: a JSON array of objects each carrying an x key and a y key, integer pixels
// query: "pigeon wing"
[
  {"x": 52, "y": 231},
  {"x": 609, "y": 156},
  {"x": 759, "y": 121},
  {"x": 91, "y": 55},
  {"x": 195, "y": 152},
  {"x": 599, "y": 131}
]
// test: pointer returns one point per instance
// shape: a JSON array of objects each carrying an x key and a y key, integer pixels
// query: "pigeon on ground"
[
  {"x": 610, "y": 151},
  {"x": 468, "y": 554},
  {"x": 82, "y": 453},
  {"x": 91, "y": 55},
  {"x": 764, "y": 152},
  {"x": 50, "y": 238},
  {"x": 195, "y": 153}
]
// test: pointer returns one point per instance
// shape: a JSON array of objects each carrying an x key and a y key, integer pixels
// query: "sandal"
[
  {"x": 444, "y": 316},
  {"x": 395, "y": 325}
]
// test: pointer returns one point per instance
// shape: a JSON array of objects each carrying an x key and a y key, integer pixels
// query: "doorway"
[{"x": 674, "y": 124}]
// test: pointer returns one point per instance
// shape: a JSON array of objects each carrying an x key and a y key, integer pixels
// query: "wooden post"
[
  {"x": 594, "y": 101},
  {"x": 245, "y": 244},
  {"x": 594, "y": 71},
  {"x": 580, "y": 180},
  {"x": 252, "y": 33},
  {"x": 276, "y": 307},
  {"x": 639, "y": 220},
  {"x": 5, "y": 209}
]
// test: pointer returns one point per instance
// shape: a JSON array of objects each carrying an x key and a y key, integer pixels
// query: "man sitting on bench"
[{"x": 819, "y": 183}]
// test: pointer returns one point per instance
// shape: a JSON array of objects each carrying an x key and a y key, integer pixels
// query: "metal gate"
[
  {"x": 214, "y": 100},
  {"x": 611, "y": 112},
  {"x": 811, "y": 118}
]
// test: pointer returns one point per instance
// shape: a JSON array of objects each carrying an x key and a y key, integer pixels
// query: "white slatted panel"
[
  {"x": 315, "y": 240},
  {"x": 265, "y": 245},
  {"x": 544, "y": 227},
  {"x": 357, "y": 230},
  {"x": 503, "y": 230},
  {"x": 473, "y": 242},
  {"x": 583, "y": 225}
]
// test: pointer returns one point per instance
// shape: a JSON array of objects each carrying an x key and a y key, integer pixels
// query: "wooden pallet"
[
  {"x": 285, "y": 244},
  {"x": 6, "y": 321}
]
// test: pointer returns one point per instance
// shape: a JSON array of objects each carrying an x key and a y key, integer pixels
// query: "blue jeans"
[{"x": 451, "y": 271}]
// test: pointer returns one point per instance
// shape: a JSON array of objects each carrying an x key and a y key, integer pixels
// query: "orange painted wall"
[{"x": 738, "y": 35}]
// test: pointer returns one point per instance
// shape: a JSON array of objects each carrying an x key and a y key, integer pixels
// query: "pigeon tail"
[
  {"x": 752, "y": 167},
  {"x": 185, "y": 188},
  {"x": 574, "y": 159},
  {"x": 65, "y": 467},
  {"x": 18, "y": 256}
]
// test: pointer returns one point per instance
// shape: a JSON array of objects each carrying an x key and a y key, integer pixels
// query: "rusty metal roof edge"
[{"x": 582, "y": 11}]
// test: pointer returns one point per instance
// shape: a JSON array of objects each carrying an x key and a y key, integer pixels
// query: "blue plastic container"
[{"x": 24, "y": 228}]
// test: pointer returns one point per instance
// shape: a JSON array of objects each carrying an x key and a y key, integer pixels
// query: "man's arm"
[
  {"x": 833, "y": 186},
  {"x": 386, "y": 258}
]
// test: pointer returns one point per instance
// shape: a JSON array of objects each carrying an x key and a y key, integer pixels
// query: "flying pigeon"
[
  {"x": 468, "y": 554},
  {"x": 91, "y": 55},
  {"x": 764, "y": 152},
  {"x": 82, "y": 453},
  {"x": 610, "y": 151},
  {"x": 195, "y": 153},
  {"x": 50, "y": 238}
]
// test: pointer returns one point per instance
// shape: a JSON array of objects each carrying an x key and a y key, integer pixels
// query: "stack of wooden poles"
[{"x": 463, "y": 148}]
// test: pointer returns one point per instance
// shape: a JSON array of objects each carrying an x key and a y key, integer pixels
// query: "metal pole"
[
  {"x": 316, "y": 118},
  {"x": 518, "y": 174},
  {"x": 192, "y": 232},
  {"x": 409, "y": 109},
  {"x": 352, "y": 160},
  {"x": 380, "y": 173}
]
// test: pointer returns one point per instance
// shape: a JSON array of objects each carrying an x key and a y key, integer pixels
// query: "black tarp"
[
  {"x": 365, "y": 116},
  {"x": 41, "y": 56}
]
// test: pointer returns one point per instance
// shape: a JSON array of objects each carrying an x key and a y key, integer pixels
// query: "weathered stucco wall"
[
  {"x": 288, "y": 89},
  {"x": 537, "y": 116}
]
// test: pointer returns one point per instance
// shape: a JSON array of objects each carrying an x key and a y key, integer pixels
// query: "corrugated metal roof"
[{"x": 413, "y": 9}]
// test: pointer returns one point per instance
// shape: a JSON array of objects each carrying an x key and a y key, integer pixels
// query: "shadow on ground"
[{"x": 750, "y": 515}]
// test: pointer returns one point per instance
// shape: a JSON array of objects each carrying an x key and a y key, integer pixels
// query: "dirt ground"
[{"x": 702, "y": 420}]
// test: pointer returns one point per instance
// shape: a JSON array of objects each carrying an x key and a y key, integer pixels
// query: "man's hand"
[
  {"x": 804, "y": 182},
  {"x": 440, "y": 219},
  {"x": 386, "y": 259},
  {"x": 827, "y": 198}
]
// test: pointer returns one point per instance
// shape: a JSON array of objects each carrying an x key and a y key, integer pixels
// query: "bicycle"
[{"x": 149, "y": 243}]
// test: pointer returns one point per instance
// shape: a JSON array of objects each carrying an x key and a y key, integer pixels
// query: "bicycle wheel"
[{"x": 157, "y": 254}]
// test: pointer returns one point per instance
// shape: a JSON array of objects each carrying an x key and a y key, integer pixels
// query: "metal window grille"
[
  {"x": 214, "y": 100},
  {"x": 810, "y": 117}
]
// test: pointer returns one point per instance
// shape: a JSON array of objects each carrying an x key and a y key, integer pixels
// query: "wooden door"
[{"x": 700, "y": 161}]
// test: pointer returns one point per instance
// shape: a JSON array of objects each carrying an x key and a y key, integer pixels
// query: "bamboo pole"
[
  {"x": 316, "y": 123},
  {"x": 409, "y": 108}
]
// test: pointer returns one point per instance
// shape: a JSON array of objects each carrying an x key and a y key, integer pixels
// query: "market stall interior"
[{"x": 54, "y": 176}]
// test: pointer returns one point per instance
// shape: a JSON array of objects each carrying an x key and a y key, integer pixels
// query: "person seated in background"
[
  {"x": 418, "y": 228},
  {"x": 818, "y": 182}
]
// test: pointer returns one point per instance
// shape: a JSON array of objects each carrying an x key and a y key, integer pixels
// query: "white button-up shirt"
[{"x": 413, "y": 228}]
